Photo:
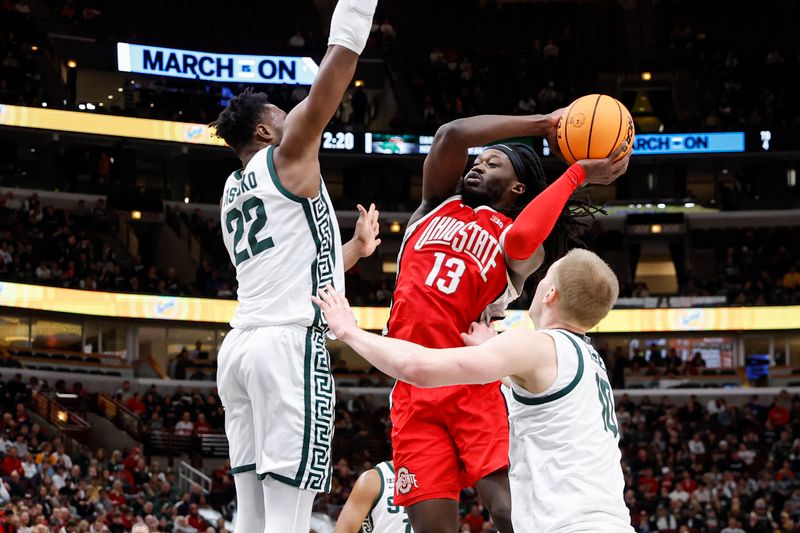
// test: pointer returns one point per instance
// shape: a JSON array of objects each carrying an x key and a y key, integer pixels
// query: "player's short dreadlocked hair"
[
  {"x": 574, "y": 218},
  {"x": 236, "y": 123}
]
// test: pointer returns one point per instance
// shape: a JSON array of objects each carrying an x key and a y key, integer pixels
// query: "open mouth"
[{"x": 472, "y": 179}]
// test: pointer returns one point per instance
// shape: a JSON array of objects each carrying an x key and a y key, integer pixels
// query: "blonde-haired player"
[
  {"x": 370, "y": 508},
  {"x": 565, "y": 468}
]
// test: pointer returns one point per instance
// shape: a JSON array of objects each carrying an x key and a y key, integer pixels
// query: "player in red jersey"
[{"x": 464, "y": 259}]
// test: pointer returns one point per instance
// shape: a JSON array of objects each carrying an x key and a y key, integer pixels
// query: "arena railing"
[
  {"x": 62, "y": 418},
  {"x": 121, "y": 416}
]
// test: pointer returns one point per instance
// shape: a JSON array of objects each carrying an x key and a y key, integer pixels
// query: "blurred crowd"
[
  {"x": 72, "y": 248},
  {"x": 711, "y": 466},
  {"x": 52, "y": 484}
]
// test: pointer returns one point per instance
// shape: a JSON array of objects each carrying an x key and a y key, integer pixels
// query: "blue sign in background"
[
  {"x": 688, "y": 143},
  {"x": 235, "y": 68},
  {"x": 682, "y": 143}
]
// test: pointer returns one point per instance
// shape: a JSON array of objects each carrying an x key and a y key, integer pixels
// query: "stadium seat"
[
  {"x": 75, "y": 358},
  {"x": 92, "y": 359},
  {"x": 58, "y": 356}
]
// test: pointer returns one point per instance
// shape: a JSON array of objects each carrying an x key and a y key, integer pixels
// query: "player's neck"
[
  {"x": 556, "y": 323},
  {"x": 247, "y": 152}
]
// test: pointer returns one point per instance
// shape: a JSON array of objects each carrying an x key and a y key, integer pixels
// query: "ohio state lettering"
[{"x": 468, "y": 237}]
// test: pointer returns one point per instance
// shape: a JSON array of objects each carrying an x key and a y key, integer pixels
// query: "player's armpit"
[
  {"x": 521, "y": 269},
  {"x": 362, "y": 498}
]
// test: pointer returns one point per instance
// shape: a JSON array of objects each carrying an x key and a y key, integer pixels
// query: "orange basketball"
[{"x": 593, "y": 127}]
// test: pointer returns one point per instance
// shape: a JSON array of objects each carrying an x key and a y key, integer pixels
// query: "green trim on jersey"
[
  {"x": 277, "y": 477},
  {"x": 307, "y": 404},
  {"x": 276, "y": 181},
  {"x": 563, "y": 392},
  {"x": 241, "y": 469}
]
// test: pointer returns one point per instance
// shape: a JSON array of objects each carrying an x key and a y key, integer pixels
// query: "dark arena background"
[{"x": 116, "y": 289}]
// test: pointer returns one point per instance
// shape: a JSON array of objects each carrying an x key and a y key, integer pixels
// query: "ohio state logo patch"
[{"x": 405, "y": 481}]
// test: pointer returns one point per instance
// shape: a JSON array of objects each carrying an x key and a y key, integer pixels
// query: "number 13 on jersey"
[{"x": 447, "y": 281}]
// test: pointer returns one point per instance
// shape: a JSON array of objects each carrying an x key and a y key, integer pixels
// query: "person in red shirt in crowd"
[
  {"x": 117, "y": 494},
  {"x": 785, "y": 473},
  {"x": 648, "y": 482},
  {"x": 136, "y": 405},
  {"x": 687, "y": 483},
  {"x": 778, "y": 415},
  {"x": 195, "y": 520},
  {"x": 475, "y": 520},
  {"x": 132, "y": 460},
  {"x": 11, "y": 463},
  {"x": 202, "y": 426}
]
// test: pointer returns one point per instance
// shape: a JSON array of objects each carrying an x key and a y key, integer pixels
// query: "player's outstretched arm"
[
  {"x": 365, "y": 239},
  {"x": 297, "y": 156},
  {"x": 365, "y": 492},
  {"x": 447, "y": 159},
  {"x": 513, "y": 353}
]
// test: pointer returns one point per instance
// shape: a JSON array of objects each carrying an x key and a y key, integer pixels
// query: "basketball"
[{"x": 592, "y": 127}]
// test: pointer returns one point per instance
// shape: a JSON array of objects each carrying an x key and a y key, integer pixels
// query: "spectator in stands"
[
  {"x": 202, "y": 426},
  {"x": 136, "y": 405},
  {"x": 185, "y": 427},
  {"x": 11, "y": 462},
  {"x": 197, "y": 353}
]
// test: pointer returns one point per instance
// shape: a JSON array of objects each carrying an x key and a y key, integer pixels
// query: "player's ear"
[
  {"x": 551, "y": 296},
  {"x": 518, "y": 188},
  {"x": 265, "y": 134}
]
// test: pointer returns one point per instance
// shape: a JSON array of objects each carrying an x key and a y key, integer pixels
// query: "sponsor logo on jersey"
[
  {"x": 467, "y": 238},
  {"x": 405, "y": 480},
  {"x": 497, "y": 221}
]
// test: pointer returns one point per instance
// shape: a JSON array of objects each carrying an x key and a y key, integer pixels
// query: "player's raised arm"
[
  {"x": 361, "y": 500},
  {"x": 513, "y": 353},
  {"x": 445, "y": 163},
  {"x": 297, "y": 157},
  {"x": 537, "y": 219}
]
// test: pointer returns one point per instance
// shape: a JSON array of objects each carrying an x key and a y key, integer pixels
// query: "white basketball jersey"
[
  {"x": 565, "y": 468},
  {"x": 284, "y": 247},
  {"x": 385, "y": 516}
]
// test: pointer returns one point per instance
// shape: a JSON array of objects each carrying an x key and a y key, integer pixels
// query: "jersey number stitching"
[
  {"x": 607, "y": 402},
  {"x": 241, "y": 218},
  {"x": 457, "y": 268}
]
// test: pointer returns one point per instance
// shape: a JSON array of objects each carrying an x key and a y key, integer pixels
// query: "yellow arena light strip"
[
  {"x": 134, "y": 128},
  {"x": 142, "y": 306}
]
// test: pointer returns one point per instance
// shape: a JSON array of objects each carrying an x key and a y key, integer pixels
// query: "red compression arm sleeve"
[{"x": 536, "y": 221}]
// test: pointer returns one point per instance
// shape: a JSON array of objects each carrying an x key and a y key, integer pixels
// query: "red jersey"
[{"x": 451, "y": 269}]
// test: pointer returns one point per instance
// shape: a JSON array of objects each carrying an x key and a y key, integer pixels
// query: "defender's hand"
[
  {"x": 367, "y": 228},
  {"x": 337, "y": 312},
  {"x": 554, "y": 119},
  {"x": 478, "y": 334}
]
